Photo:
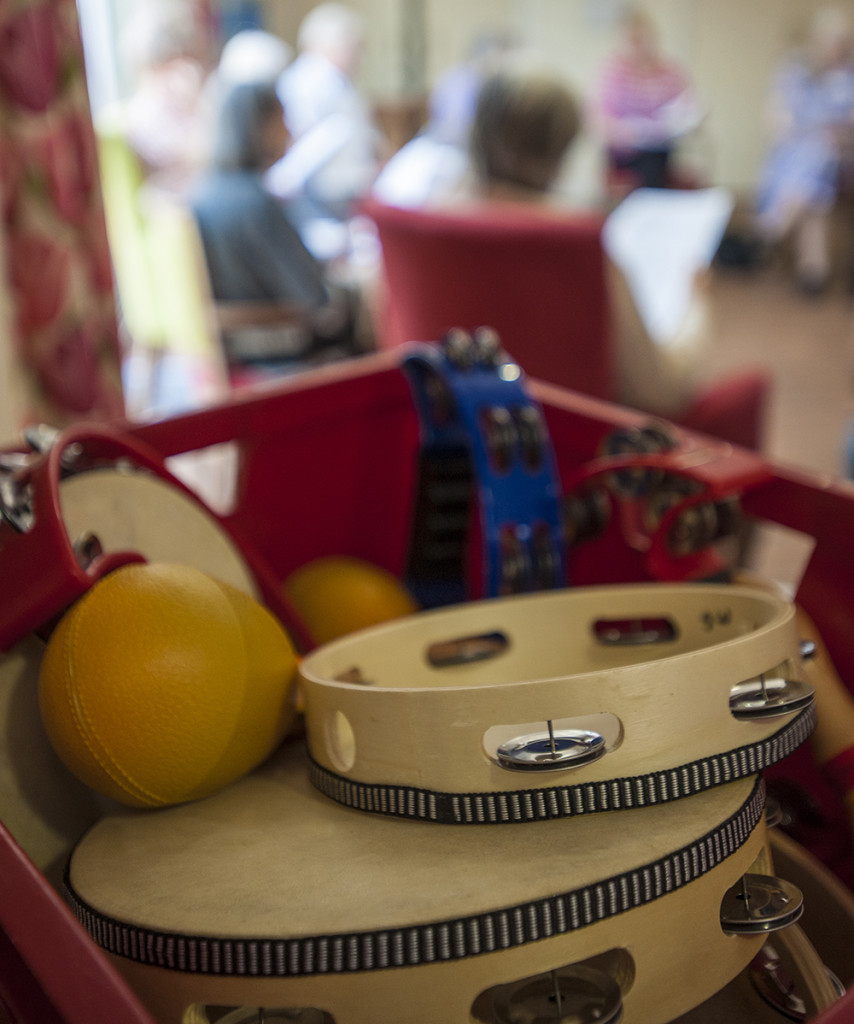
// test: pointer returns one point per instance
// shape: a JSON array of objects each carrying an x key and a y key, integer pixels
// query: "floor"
[{"x": 808, "y": 345}]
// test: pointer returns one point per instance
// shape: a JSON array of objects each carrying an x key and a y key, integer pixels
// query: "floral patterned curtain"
[{"x": 60, "y": 341}]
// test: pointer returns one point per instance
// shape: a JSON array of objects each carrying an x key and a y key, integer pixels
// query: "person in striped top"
[{"x": 645, "y": 105}]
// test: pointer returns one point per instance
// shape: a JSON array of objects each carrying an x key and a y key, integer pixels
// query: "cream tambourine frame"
[
  {"x": 390, "y": 732},
  {"x": 268, "y": 894}
]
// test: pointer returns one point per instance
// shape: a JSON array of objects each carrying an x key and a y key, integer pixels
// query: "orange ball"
[
  {"x": 337, "y": 595},
  {"x": 162, "y": 685}
]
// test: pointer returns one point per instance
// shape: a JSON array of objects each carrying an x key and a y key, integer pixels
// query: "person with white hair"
[
  {"x": 812, "y": 125},
  {"x": 333, "y": 159},
  {"x": 253, "y": 55}
]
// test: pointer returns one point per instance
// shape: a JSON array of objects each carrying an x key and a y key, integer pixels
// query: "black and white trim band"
[
  {"x": 524, "y": 805},
  {"x": 435, "y": 942}
]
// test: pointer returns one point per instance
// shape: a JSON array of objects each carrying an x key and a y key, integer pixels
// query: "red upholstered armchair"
[
  {"x": 541, "y": 282},
  {"x": 540, "y": 285}
]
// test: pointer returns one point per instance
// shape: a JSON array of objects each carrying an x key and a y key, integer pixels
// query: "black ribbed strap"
[
  {"x": 524, "y": 805},
  {"x": 435, "y": 942}
]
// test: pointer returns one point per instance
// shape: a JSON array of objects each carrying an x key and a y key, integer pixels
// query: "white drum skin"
[
  {"x": 138, "y": 512},
  {"x": 271, "y": 857}
]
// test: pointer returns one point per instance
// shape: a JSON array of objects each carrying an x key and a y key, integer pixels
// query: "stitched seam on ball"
[{"x": 86, "y": 728}]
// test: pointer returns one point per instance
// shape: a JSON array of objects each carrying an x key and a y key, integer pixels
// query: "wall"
[
  {"x": 730, "y": 46},
  {"x": 383, "y": 74}
]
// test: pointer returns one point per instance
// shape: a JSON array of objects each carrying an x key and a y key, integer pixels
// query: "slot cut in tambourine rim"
[
  {"x": 522, "y": 806},
  {"x": 432, "y": 942},
  {"x": 389, "y": 726},
  {"x": 487, "y": 615}
]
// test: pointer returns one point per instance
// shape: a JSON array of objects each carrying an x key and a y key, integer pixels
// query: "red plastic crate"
[{"x": 327, "y": 465}]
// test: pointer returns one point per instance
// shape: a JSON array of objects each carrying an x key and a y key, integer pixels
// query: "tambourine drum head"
[
  {"x": 268, "y": 894},
  {"x": 138, "y": 512}
]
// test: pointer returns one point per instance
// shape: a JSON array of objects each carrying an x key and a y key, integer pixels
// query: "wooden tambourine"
[
  {"x": 557, "y": 704},
  {"x": 129, "y": 510},
  {"x": 95, "y": 499},
  {"x": 267, "y": 894}
]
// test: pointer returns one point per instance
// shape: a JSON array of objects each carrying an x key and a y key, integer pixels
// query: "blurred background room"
[{"x": 401, "y": 84}]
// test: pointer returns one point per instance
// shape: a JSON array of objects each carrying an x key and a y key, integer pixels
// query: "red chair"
[
  {"x": 732, "y": 408},
  {"x": 541, "y": 282}
]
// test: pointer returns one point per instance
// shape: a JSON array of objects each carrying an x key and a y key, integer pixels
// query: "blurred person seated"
[
  {"x": 523, "y": 130},
  {"x": 334, "y": 156},
  {"x": 250, "y": 55},
  {"x": 645, "y": 104},
  {"x": 166, "y": 118},
  {"x": 253, "y": 55},
  {"x": 453, "y": 99},
  {"x": 274, "y": 308},
  {"x": 812, "y": 124},
  {"x": 434, "y": 164},
  {"x": 425, "y": 170}
]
